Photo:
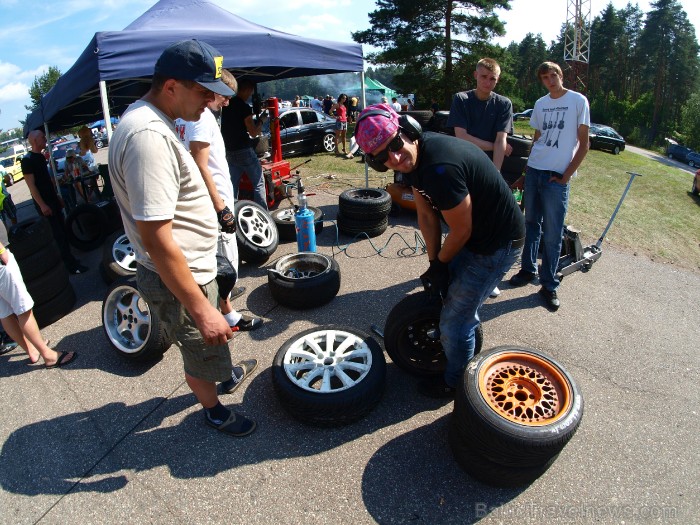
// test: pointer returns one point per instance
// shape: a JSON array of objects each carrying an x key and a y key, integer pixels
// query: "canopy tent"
[
  {"x": 100, "y": 123},
  {"x": 116, "y": 67},
  {"x": 372, "y": 85}
]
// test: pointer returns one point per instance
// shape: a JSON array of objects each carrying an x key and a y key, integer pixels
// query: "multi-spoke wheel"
[
  {"x": 132, "y": 329},
  {"x": 330, "y": 375},
  {"x": 256, "y": 232},
  {"x": 118, "y": 257}
]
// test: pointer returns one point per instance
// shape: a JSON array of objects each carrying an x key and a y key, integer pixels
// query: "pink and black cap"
[{"x": 375, "y": 125}]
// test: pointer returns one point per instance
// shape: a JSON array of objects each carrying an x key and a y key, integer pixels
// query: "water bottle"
[{"x": 304, "y": 222}]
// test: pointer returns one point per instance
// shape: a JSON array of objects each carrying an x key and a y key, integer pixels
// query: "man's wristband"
[{"x": 2, "y": 250}]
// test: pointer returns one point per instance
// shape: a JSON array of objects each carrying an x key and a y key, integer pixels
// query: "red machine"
[{"x": 275, "y": 170}]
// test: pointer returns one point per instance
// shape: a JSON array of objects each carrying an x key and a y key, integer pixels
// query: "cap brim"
[{"x": 218, "y": 87}]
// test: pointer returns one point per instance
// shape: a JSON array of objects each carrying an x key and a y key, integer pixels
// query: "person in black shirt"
[
  {"x": 237, "y": 128},
  {"x": 46, "y": 200},
  {"x": 454, "y": 181}
]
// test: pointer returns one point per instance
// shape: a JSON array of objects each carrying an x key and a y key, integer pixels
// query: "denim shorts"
[
  {"x": 209, "y": 363},
  {"x": 341, "y": 126}
]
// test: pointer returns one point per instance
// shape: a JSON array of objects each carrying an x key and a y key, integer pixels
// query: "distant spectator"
[
  {"x": 327, "y": 104},
  {"x": 297, "y": 102},
  {"x": 434, "y": 106},
  {"x": 410, "y": 105},
  {"x": 87, "y": 146},
  {"x": 352, "y": 110},
  {"x": 395, "y": 104},
  {"x": 340, "y": 110},
  {"x": 317, "y": 104},
  {"x": 8, "y": 210}
]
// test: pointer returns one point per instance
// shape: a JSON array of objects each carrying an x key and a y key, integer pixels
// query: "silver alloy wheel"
[
  {"x": 127, "y": 319},
  {"x": 329, "y": 142},
  {"x": 327, "y": 361},
  {"x": 123, "y": 253},
  {"x": 257, "y": 226}
]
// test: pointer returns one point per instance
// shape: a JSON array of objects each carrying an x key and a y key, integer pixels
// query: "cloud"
[{"x": 14, "y": 91}]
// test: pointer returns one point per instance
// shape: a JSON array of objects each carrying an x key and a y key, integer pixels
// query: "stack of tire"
[
  {"x": 88, "y": 225},
  {"x": 42, "y": 269},
  {"x": 364, "y": 211},
  {"x": 515, "y": 410}
]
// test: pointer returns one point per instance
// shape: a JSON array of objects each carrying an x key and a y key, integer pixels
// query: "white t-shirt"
[
  {"x": 206, "y": 129},
  {"x": 396, "y": 106},
  {"x": 558, "y": 121},
  {"x": 155, "y": 178}
]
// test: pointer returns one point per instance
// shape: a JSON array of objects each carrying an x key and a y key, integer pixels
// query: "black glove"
[
  {"x": 437, "y": 278},
  {"x": 227, "y": 220}
]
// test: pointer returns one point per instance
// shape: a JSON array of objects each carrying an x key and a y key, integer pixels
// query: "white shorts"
[
  {"x": 14, "y": 298},
  {"x": 228, "y": 247}
]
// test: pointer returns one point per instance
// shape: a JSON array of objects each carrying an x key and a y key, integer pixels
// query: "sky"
[{"x": 35, "y": 35}]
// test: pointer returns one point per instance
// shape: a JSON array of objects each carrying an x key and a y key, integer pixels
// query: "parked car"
[
  {"x": 606, "y": 138},
  {"x": 59, "y": 152},
  {"x": 693, "y": 159},
  {"x": 101, "y": 140},
  {"x": 13, "y": 168},
  {"x": 678, "y": 152},
  {"x": 524, "y": 115},
  {"x": 305, "y": 130}
]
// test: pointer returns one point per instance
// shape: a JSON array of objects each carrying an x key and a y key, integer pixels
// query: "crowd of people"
[{"x": 175, "y": 172}]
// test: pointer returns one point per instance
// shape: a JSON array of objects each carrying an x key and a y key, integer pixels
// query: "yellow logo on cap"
[{"x": 219, "y": 63}]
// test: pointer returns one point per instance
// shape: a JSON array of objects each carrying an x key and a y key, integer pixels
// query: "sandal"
[
  {"x": 236, "y": 425},
  {"x": 63, "y": 359}
]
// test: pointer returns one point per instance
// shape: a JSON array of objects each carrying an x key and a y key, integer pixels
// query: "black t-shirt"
[
  {"x": 35, "y": 163},
  {"x": 448, "y": 170},
  {"x": 233, "y": 127}
]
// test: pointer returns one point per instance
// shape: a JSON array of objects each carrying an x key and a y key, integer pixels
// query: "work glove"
[
  {"x": 227, "y": 220},
  {"x": 437, "y": 279}
]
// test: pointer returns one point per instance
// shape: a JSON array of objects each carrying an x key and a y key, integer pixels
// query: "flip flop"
[{"x": 63, "y": 359}]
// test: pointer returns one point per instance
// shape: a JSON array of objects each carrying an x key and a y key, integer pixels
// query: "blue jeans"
[
  {"x": 245, "y": 160},
  {"x": 472, "y": 278},
  {"x": 545, "y": 210}
]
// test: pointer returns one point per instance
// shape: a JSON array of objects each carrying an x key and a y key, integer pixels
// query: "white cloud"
[{"x": 14, "y": 91}]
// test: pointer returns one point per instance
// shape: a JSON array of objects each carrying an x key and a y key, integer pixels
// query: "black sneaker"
[
  {"x": 247, "y": 323},
  {"x": 436, "y": 388},
  {"x": 78, "y": 269},
  {"x": 236, "y": 292},
  {"x": 550, "y": 298},
  {"x": 241, "y": 371},
  {"x": 522, "y": 278},
  {"x": 236, "y": 425}
]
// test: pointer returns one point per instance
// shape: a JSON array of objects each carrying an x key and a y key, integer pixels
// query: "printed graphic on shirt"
[{"x": 553, "y": 125}]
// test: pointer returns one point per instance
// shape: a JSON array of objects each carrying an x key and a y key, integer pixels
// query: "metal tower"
[{"x": 577, "y": 44}]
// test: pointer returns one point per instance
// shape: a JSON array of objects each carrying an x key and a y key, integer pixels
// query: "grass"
[{"x": 658, "y": 218}]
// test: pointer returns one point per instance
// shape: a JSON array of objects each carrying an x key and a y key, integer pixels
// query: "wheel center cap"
[{"x": 328, "y": 361}]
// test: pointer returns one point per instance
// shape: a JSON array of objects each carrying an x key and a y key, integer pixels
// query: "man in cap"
[
  {"x": 169, "y": 218},
  {"x": 455, "y": 181}
]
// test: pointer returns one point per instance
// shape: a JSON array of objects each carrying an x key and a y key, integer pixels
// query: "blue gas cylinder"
[{"x": 304, "y": 222}]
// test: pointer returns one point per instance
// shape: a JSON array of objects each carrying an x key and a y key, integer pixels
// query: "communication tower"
[{"x": 577, "y": 44}]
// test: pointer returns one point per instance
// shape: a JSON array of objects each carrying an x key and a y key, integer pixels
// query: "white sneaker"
[{"x": 495, "y": 293}]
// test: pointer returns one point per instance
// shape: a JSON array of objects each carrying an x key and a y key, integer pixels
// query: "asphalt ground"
[{"x": 108, "y": 441}]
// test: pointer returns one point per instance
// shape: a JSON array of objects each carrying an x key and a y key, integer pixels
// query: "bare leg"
[
  {"x": 337, "y": 141},
  {"x": 204, "y": 391},
  {"x": 25, "y": 331},
  {"x": 342, "y": 137}
]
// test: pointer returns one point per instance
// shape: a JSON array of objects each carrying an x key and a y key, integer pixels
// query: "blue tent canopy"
[{"x": 125, "y": 59}]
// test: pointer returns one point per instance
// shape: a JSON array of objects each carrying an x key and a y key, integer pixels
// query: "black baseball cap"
[{"x": 194, "y": 60}]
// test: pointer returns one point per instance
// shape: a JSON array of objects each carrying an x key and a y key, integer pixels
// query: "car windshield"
[
  {"x": 59, "y": 151},
  {"x": 7, "y": 163}
]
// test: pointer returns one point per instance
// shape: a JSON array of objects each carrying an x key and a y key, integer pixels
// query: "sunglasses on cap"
[{"x": 395, "y": 145}]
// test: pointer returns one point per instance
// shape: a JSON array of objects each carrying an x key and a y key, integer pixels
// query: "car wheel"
[
  {"x": 118, "y": 257},
  {"x": 329, "y": 142},
  {"x": 256, "y": 232},
  {"x": 371, "y": 227},
  {"x": 98, "y": 144},
  {"x": 286, "y": 225},
  {"x": 29, "y": 236},
  {"x": 329, "y": 376},
  {"x": 412, "y": 335},
  {"x": 616, "y": 150},
  {"x": 304, "y": 280},
  {"x": 55, "y": 308},
  {"x": 691, "y": 163},
  {"x": 364, "y": 203},
  {"x": 517, "y": 406},
  {"x": 132, "y": 329}
]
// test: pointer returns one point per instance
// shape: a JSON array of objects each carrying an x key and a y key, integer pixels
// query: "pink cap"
[{"x": 373, "y": 130}]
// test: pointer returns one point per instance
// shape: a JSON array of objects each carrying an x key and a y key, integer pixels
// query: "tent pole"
[
  {"x": 105, "y": 110},
  {"x": 52, "y": 162},
  {"x": 364, "y": 105}
]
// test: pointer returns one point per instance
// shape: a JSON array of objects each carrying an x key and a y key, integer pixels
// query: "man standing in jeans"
[
  {"x": 237, "y": 128},
  {"x": 561, "y": 120}
]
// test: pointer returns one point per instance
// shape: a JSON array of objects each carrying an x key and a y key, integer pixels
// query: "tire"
[
  {"x": 319, "y": 382},
  {"x": 412, "y": 335},
  {"x": 99, "y": 144},
  {"x": 113, "y": 215},
  {"x": 304, "y": 280},
  {"x": 286, "y": 226},
  {"x": 118, "y": 257},
  {"x": 513, "y": 164},
  {"x": 371, "y": 228},
  {"x": 616, "y": 150},
  {"x": 423, "y": 117},
  {"x": 329, "y": 142},
  {"x": 506, "y": 428},
  {"x": 54, "y": 309},
  {"x": 691, "y": 163},
  {"x": 256, "y": 232},
  {"x": 487, "y": 471},
  {"x": 521, "y": 145},
  {"x": 45, "y": 287},
  {"x": 86, "y": 227},
  {"x": 132, "y": 329},
  {"x": 28, "y": 237},
  {"x": 364, "y": 203},
  {"x": 40, "y": 262}
]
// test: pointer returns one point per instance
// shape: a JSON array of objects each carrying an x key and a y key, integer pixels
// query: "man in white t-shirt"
[
  {"x": 561, "y": 120},
  {"x": 204, "y": 141},
  {"x": 395, "y": 104},
  {"x": 169, "y": 219}
]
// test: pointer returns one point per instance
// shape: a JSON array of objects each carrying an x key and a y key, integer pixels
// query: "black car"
[
  {"x": 606, "y": 138},
  {"x": 678, "y": 152},
  {"x": 101, "y": 140},
  {"x": 304, "y": 131}
]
